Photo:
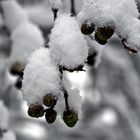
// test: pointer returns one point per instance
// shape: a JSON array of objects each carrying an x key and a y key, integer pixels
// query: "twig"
[
  {"x": 64, "y": 90},
  {"x": 73, "y": 12}
]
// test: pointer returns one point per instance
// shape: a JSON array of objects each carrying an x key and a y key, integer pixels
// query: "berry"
[
  {"x": 36, "y": 110},
  {"x": 50, "y": 115},
  {"x": 102, "y": 34},
  {"x": 70, "y": 118},
  {"x": 50, "y": 100},
  {"x": 102, "y": 42},
  {"x": 87, "y": 28},
  {"x": 17, "y": 69}
]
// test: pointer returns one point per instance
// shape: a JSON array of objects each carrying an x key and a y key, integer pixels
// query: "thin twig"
[
  {"x": 64, "y": 90},
  {"x": 73, "y": 12}
]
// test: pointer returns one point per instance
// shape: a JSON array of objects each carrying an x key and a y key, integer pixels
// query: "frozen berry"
[
  {"x": 70, "y": 118},
  {"x": 50, "y": 100},
  {"x": 17, "y": 69},
  {"x": 36, "y": 110},
  {"x": 102, "y": 42},
  {"x": 50, "y": 115},
  {"x": 102, "y": 34},
  {"x": 87, "y": 28}
]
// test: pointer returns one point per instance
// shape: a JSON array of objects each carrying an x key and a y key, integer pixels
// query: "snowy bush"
[
  {"x": 71, "y": 45},
  {"x": 75, "y": 41}
]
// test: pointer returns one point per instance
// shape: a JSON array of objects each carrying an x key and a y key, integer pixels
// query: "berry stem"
[
  {"x": 55, "y": 11},
  {"x": 64, "y": 90},
  {"x": 66, "y": 99}
]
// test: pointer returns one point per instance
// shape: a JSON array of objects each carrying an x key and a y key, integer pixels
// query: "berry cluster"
[
  {"x": 100, "y": 16},
  {"x": 103, "y": 34},
  {"x": 44, "y": 93},
  {"x": 44, "y": 80}
]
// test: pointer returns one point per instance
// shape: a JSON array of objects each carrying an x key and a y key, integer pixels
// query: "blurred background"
[{"x": 110, "y": 87}]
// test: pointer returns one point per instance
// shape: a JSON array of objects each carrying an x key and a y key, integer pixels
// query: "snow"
[
  {"x": 115, "y": 13},
  {"x": 14, "y": 14},
  {"x": 25, "y": 39},
  {"x": 74, "y": 98},
  {"x": 102, "y": 12},
  {"x": 129, "y": 30},
  {"x": 4, "y": 117},
  {"x": 41, "y": 77},
  {"x": 67, "y": 44}
]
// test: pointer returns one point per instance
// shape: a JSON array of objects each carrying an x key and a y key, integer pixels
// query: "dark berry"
[
  {"x": 87, "y": 28},
  {"x": 17, "y": 69},
  {"x": 102, "y": 34},
  {"x": 36, "y": 110},
  {"x": 70, "y": 118},
  {"x": 102, "y": 42},
  {"x": 50, "y": 115},
  {"x": 50, "y": 100}
]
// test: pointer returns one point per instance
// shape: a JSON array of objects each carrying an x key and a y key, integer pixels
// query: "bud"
[
  {"x": 36, "y": 110},
  {"x": 87, "y": 28},
  {"x": 70, "y": 118},
  {"x": 50, "y": 115},
  {"x": 50, "y": 100},
  {"x": 102, "y": 34}
]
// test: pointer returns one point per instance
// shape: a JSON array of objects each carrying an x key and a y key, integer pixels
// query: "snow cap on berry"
[
  {"x": 102, "y": 12},
  {"x": 67, "y": 44},
  {"x": 25, "y": 39},
  {"x": 41, "y": 77}
]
